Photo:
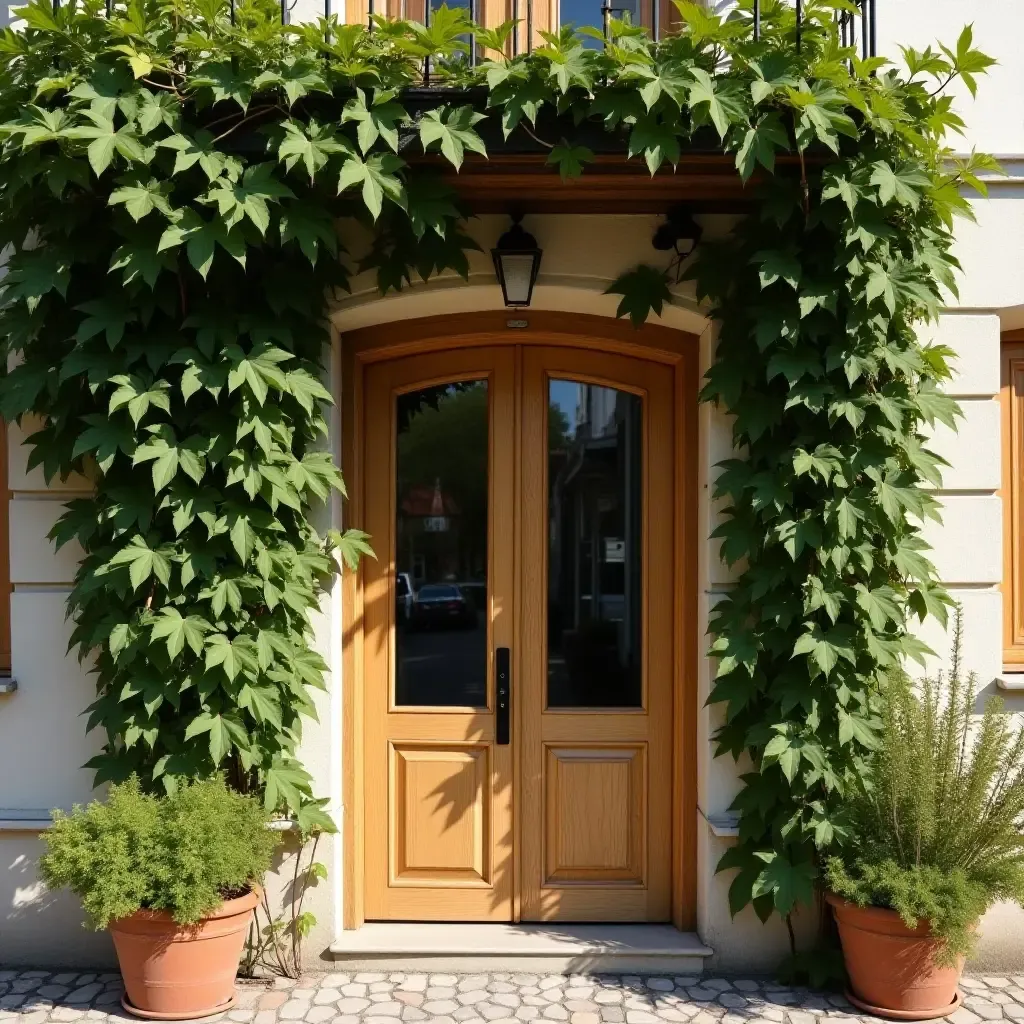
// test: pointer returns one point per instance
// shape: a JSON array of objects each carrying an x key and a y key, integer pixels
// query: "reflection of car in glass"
[
  {"x": 476, "y": 593},
  {"x": 440, "y": 605},
  {"x": 404, "y": 598}
]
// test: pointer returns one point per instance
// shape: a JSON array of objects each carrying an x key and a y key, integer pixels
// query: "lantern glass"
[{"x": 517, "y": 276}]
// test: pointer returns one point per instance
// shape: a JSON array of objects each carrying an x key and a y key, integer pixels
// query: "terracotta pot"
[
  {"x": 891, "y": 967},
  {"x": 176, "y": 972}
]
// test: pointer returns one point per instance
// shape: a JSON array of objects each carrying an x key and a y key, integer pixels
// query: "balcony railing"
[{"x": 856, "y": 30}]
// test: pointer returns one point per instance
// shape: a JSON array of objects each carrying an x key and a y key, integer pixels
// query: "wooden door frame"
[{"x": 675, "y": 349}]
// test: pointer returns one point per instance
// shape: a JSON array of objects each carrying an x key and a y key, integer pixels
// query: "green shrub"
[
  {"x": 937, "y": 831},
  {"x": 183, "y": 853}
]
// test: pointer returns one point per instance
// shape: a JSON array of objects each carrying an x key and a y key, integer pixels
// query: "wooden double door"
[{"x": 518, "y": 618}]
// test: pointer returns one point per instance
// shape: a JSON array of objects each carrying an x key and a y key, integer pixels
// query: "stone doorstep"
[{"x": 547, "y": 949}]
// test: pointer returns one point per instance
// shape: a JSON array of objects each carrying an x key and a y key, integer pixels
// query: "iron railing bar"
[
  {"x": 529, "y": 26},
  {"x": 799, "y": 23},
  {"x": 369, "y": 15},
  {"x": 873, "y": 45},
  {"x": 757, "y": 20},
  {"x": 515, "y": 31},
  {"x": 426, "y": 22},
  {"x": 655, "y": 19}
]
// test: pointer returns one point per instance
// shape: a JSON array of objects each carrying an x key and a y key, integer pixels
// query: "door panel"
[
  {"x": 595, "y": 809},
  {"x": 438, "y": 601},
  {"x": 519, "y": 498},
  {"x": 442, "y": 814},
  {"x": 597, "y": 654}
]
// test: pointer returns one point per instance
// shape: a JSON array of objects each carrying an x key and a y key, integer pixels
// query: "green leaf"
[
  {"x": 178, "y": 630},
  {"x": 141, "y": 199},
  {"x": 860, "y": 728},
  {"x": 905, "y": 185},
  {"x": 880, "y": 605},
  {"x": 378, "y": 179},
  {"x": 286, "y": 785},
  {"x": 778, "y": 266},
  {"x": 788, "y": 883},
  {"x": 707, "y": 91},
  {"x": 106, "y": 141},
  {"x": 644, "y": 290},
  {"x": 760, "y": 145},
  {"x": 826, "y": 647},
  {"x": 657, "y": 140},
  {"x": 453, "y": 131},
  {"x": 379, "y": 119},
  {"x": 570, "y": 159},
  {"x": 138, "y": 395},
  {"x": 666, "y": 79},
  {"x": 235, "y": 656},
  {"x": 143, "y": 562},
  {"x": 104, "y": 316},
  {"x": 198, "y": 149},
  {"x": 225, "y": 733},
  {"x": 311, "y": 227},
  {"x": 837, "y": 186},
  {"x": 784, "y": 751},
  {"x": 226, "y": 84},
  {"x": 847, "y": 516},
  {"x": 351, "y": 546}
]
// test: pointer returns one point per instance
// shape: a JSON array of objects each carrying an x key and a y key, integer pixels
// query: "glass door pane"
[
  {"x": 595, "y": 552},
  {"x": 441, "y": 551}
]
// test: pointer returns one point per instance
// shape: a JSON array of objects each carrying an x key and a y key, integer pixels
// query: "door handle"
[{"x": 503, "y": 675}]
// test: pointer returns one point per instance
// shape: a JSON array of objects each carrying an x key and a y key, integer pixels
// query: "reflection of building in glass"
[
  {"x": 594, "y": 557},
  {"x": 441, "y": 528},
  {"x": 428, "y": 533}
]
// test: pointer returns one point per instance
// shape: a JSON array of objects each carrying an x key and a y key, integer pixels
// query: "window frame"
[
  {"x": 5, "y": 556},
  {"x": 1011, "y": 401}
]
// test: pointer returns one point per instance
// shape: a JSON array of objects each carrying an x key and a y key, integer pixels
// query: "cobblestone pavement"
[{"x": 38, "y": 997}]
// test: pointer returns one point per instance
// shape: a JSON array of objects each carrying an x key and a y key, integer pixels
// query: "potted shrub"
[
  {"x": 175, "y": 880},
  {"x": 935, "y": 837}
]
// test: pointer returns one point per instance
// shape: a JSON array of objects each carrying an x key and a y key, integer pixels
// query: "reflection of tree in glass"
[
  {"x": 443, "y": 441},
  {"x": 559, "y": 433}
]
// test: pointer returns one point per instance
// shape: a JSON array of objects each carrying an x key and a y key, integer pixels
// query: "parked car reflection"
[
  {"x": 403, "y": 598},
  {"x": 442, "y": 606}
]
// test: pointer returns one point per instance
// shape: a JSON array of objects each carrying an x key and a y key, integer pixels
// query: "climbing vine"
[{"x": 177, "y": 196}]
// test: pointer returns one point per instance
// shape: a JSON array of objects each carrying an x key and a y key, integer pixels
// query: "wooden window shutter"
[{"x": 1012, "y": 402}]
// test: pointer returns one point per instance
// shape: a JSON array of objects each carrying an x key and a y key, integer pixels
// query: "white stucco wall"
[{"x": 42, "y": 740}]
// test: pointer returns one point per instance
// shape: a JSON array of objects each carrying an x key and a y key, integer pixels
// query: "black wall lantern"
[
  {"x": 517, "y": 263},
  {"x": 679, "y": 234}
]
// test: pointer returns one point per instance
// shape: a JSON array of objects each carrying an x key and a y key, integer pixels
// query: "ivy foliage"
[{"x": 176, "y": 192}]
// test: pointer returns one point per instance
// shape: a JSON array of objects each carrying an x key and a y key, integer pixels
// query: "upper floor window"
[{"x": 534, "y": 16}]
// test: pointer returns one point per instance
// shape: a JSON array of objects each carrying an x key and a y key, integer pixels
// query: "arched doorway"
[{"x": 524, "y": 632}]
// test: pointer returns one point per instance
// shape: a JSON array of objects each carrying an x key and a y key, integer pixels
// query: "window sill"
[
  {"x": 7, "y": 685},
  {"x": 723, "y": 826},
  {"x": 33, "y": 820},
  {"x": 1011, "y": 679}
]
